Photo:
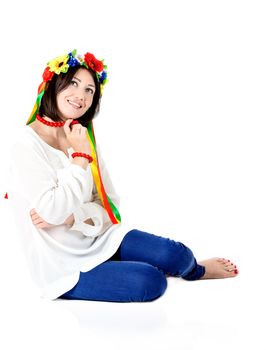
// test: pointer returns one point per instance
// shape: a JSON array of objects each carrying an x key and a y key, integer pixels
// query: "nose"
[{"x": 80, "y": 96}]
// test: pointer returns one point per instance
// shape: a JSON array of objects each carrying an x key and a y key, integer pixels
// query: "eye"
[
  {"x": 90, "y": 91},
  {"x": 74, "y": 83}
]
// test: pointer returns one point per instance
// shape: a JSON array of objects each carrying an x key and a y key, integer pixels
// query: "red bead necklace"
[{"x": 56, "y": 124}]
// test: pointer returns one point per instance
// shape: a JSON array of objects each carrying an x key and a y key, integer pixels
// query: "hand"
[
  {"x": 38, "y": 221},
  {"x": 77, "y": 137}
]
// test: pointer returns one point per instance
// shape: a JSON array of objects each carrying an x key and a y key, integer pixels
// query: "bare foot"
[{"x": 218, "y": 268}]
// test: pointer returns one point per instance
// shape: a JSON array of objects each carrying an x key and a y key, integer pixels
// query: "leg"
[
  {"x": 173, "y": 258},
  {"x": 119, "y": 281}
]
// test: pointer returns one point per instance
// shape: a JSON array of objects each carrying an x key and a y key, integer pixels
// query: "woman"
[{"x": 67, "y": 213}]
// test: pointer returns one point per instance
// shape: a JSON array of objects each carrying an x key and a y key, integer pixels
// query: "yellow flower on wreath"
[{"x": 59, "y": 64}]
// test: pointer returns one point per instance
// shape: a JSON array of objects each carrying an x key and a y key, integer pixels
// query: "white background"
[{"x": 182, "y": 131}]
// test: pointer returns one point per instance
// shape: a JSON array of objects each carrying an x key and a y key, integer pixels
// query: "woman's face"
[{"x": 77, "y": 98}]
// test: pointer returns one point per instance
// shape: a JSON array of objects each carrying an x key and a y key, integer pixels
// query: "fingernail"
[{"x": 236, "y": 271}]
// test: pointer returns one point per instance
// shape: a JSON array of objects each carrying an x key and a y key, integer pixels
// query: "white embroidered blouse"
[{"x": 44, "y": 178}]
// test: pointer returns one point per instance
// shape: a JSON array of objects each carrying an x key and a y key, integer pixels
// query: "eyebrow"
[{"x": 88, "y": 84}]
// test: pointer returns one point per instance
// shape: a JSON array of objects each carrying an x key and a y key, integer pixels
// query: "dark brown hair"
[{"x": 60, "y": 82}]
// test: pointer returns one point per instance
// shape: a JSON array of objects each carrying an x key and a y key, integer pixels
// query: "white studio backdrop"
[{"x": 182, "y": 120}]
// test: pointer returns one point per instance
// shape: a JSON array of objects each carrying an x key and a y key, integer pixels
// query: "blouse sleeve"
[{"x": 55, "y": 194}]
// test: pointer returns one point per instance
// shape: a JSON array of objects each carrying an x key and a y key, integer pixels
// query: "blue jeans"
[{"x": 137, "y": 271}]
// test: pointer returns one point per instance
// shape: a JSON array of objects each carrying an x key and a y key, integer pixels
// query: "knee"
[
  {"x": 187, "y": 260},
  {"x": 177, "y": 259},
  {"x": 151, "y": 283}
]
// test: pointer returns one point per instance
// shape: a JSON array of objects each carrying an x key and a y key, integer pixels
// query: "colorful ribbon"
[{"x": 107, "y": 202}]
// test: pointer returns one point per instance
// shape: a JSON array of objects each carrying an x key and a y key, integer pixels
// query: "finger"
[
  {"x": 74, "y": 122},
  {"x": 35, "y": 217},
  {"x": 34, "y": 214},
  {"x": 67, "y": 126},
  {"x": 76, "y": 128},
  {"x": 37, "y": 221},
  {"x": 42, "y": 225}
]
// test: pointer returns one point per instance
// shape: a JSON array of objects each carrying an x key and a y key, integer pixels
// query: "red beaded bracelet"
[{"x": 79, "y": 154}]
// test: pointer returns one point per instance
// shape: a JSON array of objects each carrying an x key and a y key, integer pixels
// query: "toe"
[
  {"x": 224, "y": 261},
  {"x": 230, "y": 268},
  {"x": 234, "y": 272},
  {"x": 229, "y": 265}
]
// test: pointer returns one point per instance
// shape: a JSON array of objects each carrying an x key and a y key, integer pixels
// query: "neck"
[{"x": 55, "y": 132}]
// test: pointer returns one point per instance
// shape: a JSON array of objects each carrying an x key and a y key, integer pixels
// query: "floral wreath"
[{"x": 61, "y": 64}]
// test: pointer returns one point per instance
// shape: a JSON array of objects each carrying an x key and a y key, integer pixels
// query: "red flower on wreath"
[
  {"x": 47, "y": 74},
  {"x": 93, "y": 63}
]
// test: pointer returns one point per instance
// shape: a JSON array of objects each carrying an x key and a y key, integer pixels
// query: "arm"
[
  {"x": 41, "y": 223},
  {"x": 82, "y": 218},
  {"x": 54, "y": 194}
]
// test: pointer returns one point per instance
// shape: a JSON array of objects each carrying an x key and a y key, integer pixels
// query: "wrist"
[
  {"x": 81, "y": 159},
  {"x": 82, "y": 154}
]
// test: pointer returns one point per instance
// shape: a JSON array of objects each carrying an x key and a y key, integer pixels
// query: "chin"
[{"x": 69, "y": 116}]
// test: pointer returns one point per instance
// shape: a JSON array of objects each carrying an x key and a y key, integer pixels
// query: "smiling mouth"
[{"x": 74, "y": 104}]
